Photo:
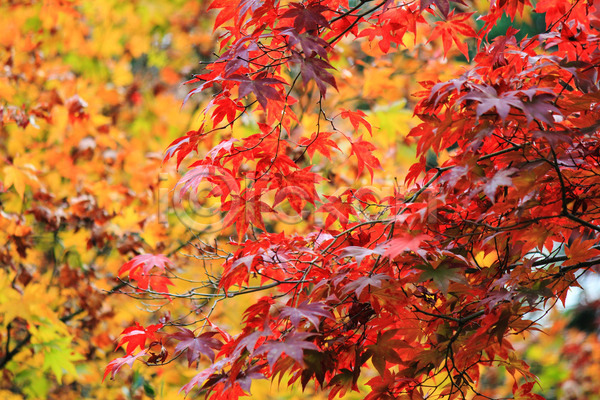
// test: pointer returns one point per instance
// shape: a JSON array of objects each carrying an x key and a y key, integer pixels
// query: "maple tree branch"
[
  {"x": 563, "y": 194},
  {"x": 7, "y": 347},
  {"x": 9, "y": 355},
  {"x": 441, "y": 170},
  {"x": 516, "y": 225},
  {"x": 354, "y": 227},
  {"x": 350, "y": 11},
  {"x": 582, "y": 221},
  {"x": 115, "y": 288},
  {"x": 356, "y": 21},
  {"x": 563, "y": 190},
  {"x": 18, "y": 347},
  {"x": 471, "y": 317},
  {"x": 442, "y": 316},
  {"x": 460, "y": 321},
  {"x": 583, "y": 264},
  {"x": 430, "y": 182},
  {"x": 306, "y": 146},
  {"x": 503, "y": 151}
]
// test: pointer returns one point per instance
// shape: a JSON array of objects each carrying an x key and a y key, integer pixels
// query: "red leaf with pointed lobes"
[
  {"x": 385, "y": 350},
  {"x": 401, "y": 244},
  {"x": 311, "y": 45},
  {"x": 307, "y": 18},
  {"x": 341, "y": 383},
  {"x": 497, "y": 48},
  {"x": 115, "y": 365},
  {"x": 500, "y": 178},
  {"x": 356, "y": 119},
  {"x": 158, "y": 284},
  {"x": 454, "y": 28},
  {"x": 293, "y": 346},
  {"x": 227, "y": 13},
  {"x": 256, "y": 315},
  {"x": 221, "y": 177},
  {"x": 237, "y": 10},
  {"x": 245, "y": 211},
  {"x": 140, "y": 269},
  {"x": 146, "y": 262},
  {"x": 363, "y": 151},
  {"x": 136, "y": 336},
  {"x": 523, "y": 392},
  {"x": 249, "y": 341},
  {"x": 252, "y": 5},
  {"x": 580, "y": 250},
  {"x": 381, "y": 386},
  {"x": 512, "y": 7},
  {"x": 310, "y": 311},
  {"x": 540, "y": 108},
  {"x": 194, "y": 346},
  {"x": 316, "y": 69},
  {"x": 366, "y": 196},
  {"x": 297, "y": 188},
  {"x": 359, "y": 253},
  {"x": 337, "y": 210},
  {"x": 263, "y": 88},
  {"x": 442, "y": 5},
  {"x": 488, "y": 98},
  {"x": 358, "y": 285},
  {"x": 183, "y": 146},
  {"x": 225, "y": 147},
  {"x": 225, "y": 107},
  {"x": 319, "y": 142}
]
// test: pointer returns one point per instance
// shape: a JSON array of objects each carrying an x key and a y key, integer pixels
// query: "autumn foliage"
[
  {"x": 299, "y": 243},
  {"x": 419, "y": 290},
  {"x": 88, "y": 99}
]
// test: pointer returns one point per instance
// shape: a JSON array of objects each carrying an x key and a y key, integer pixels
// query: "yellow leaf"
[
  {"x": 19, "y": 177},
  {"x": 14, "y": 177},
  {"x": 122, "y": 73},
  {"x": 485, "y": 261}
]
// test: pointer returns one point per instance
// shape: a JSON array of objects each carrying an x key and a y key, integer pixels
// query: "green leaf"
[
  {"x": 441, "y": 276},
  {"x": 59, "y": 357},
  {"x": 149, "y": 390},
  {"x": 34, "y": 383}
]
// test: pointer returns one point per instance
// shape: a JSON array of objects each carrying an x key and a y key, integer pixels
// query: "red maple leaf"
[
  {"x": 488, "y": 98},
  {"x": 263, "y": 88},
  {"x": 145, "y": 263},
  {"x": 197, "y": 380},
  {"x": 315, "y": 68},
  {"x": 319, "y": 142},
  {"x": 194, "y": 345},
  {"x": 136, "y": 336},
  {"x": 356, "y": 119},
  {"x": 454, "y": 28},
  {"x": 307, "y": 17},
  {"x": 309, "y": 311},
  {"x": 500, "y": 178},
  {"x": 293, "y": 346},
  {"x": 401, "y": 244},
  {"x": 115, "y": 365},
  {"x": 337, "y": 210},
  {"x": 358, "y": 285},
  {"x": 140, "y": 269},
  {"x": 359, "y": 253},
  {"x": 363, "y": 151}
]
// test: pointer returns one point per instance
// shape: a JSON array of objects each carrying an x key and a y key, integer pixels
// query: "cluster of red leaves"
[{"x": 433, "y": 286}]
